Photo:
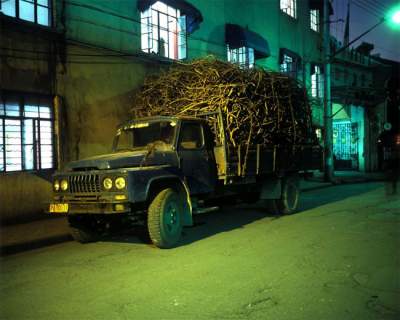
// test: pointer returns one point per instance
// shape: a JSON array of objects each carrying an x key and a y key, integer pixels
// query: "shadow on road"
[
  {"x": 320, "y": 197},
  {"x": 238, "y": 216}
]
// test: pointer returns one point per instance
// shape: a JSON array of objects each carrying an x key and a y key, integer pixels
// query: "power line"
[
  {"x": 379, "y": 5},
  {"x": 371, "y": 12},
  {"x": 373, "y": 8}
]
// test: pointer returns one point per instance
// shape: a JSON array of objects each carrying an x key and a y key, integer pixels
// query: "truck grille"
[{"x": 84, "y": 183}]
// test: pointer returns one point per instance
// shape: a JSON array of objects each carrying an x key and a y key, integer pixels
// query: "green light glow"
[
  {"x": 394, "y": 20},
  {"x": 396, "y": 17}
]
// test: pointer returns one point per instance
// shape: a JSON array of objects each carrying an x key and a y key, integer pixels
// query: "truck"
[{"x": 163, "y": 170}]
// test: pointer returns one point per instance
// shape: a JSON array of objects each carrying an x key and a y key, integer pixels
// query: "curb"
[{"x": 36, "y": 244}]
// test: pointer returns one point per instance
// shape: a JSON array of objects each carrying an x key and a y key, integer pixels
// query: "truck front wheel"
[{"x": 164, "y": 221}]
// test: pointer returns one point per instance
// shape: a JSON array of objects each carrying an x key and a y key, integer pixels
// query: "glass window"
[
  {"x": 243, "y": 56},
  {"x": 191, "y": 136},
  {"x": 317, "y": 82},
  {"x": 289, "y": 7},
  {"x": 289, "y": 64},
  {"x": 26, "y": 135},
  {"x": 36, "y": 11},
  {"x": 314, "y": 20},
  {"x": 163, "y": 31}
]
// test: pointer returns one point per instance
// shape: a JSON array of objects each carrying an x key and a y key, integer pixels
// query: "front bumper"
[{"x": 63, "y": 208}]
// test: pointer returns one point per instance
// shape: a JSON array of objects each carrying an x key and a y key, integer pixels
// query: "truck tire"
[
  {"x": 289, "y": 200},
  {"x": 80, "y": 230},
  {"x": 164, "y": 219}
]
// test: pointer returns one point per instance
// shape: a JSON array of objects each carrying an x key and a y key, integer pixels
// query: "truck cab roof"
[{"x": 138, "y": 121}]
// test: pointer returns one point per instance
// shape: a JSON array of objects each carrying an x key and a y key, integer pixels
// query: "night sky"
[{"x": 363, "y": 15}]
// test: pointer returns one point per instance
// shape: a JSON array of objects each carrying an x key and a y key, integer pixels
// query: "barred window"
[
  {"x": 317, "y": 82},
  {"x": 26, "y": 134},
  {"x": 163, "y": 31},
  {"x": 36, "y": 11},
  {"x": 289, "y": 7},
  {"x": 314, "y": 20},
  {"x": 243, "y": 56},
  {"x": 289, "y": 63}
]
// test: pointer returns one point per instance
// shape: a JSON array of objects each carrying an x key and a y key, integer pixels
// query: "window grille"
[
  {"x": 243, "y": 56},
  {"x": 35, "y": 11},
  {"x": 289, "y": 7},
  {"x": 314, "y": 20},
  {"x": 26, "y": 135},
  {"x": 163, "y": 31},
  {"x": 290, "y": 64},
  {"x": 317, "y": 82}
]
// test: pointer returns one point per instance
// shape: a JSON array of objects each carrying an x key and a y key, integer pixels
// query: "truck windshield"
[{"x": 141, "y": 134}]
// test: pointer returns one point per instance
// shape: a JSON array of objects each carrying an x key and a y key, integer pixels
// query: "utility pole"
[{"x": 328, "y": 145}]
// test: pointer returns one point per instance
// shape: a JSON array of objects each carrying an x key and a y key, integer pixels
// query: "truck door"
[{"x": 196, "y": 157}]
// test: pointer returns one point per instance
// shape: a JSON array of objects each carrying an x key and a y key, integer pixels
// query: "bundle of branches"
[{"x": 258, "y": 107}]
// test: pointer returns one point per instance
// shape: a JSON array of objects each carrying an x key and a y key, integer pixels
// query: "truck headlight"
[
  {"x": 107, "y": 183},
  {"x": 120, "y": 183},
  {"x": 56, "y": 185},
  {"x": 64, "y": 185}
]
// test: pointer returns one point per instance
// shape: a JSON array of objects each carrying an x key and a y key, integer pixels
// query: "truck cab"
[{"x": 149, "y": 155}]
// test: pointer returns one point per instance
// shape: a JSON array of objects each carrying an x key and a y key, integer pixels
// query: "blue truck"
[{"x": 165, "y": 169}]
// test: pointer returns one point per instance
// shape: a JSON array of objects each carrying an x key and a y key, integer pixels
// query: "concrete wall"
[{"x": 23, "y": 194}]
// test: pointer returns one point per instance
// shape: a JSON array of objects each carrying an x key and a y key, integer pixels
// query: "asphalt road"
[{"x": 338, "y": 258}]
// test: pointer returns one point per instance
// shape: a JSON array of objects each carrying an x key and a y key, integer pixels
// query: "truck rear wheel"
[
  {"x": 81, "y": 229},
  {"x": 289, "y": 200},
  {"x": 164, "y": 220}
]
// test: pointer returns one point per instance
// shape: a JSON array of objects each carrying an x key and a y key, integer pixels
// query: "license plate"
[{"x": 58, "y": 208}]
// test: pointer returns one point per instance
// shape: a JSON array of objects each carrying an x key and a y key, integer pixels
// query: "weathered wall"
[
  {"x": 97, "y": 96},
  {"x": 24, "y": 194}
]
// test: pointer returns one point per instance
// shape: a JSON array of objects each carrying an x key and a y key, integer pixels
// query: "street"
[{"x": 338, "y": 258}]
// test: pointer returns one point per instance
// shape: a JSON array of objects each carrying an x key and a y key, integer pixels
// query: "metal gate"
[{"x": 345, "y": 145}]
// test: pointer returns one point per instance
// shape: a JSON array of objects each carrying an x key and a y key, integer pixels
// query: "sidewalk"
[{"x": 36, "y": 234}]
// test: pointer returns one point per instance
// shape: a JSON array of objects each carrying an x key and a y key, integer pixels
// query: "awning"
[
  {"x": 193, "y": 15},
  {"x": 237, "y": 37}
]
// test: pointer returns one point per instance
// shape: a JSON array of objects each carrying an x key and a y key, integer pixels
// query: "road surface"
[{"x": 338, "y": 258}]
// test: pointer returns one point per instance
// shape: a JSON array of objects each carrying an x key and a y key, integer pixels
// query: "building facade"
[
  {"x": 70, "y": 69},
  {"x": 359, "y": 105}
]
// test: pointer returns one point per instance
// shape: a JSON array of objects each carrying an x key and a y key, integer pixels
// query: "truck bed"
[{"x": 265, "y": 160}]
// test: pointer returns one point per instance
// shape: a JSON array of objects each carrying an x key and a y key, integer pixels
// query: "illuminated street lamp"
[{"x": 395, "y": 15}]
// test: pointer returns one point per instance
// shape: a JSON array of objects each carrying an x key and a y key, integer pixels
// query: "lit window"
[
  {"x": 314, "y": 20},
  {"x": 36, "y": 11},
  {"x": 163, "y": 31},
  {"x": 288, "y": 7},
  {"x": 26, "y": 135},
  {"x": 243, "y": 56},
  {"x": 317, "y": 82},
  {"x": 289, "y": 64}
]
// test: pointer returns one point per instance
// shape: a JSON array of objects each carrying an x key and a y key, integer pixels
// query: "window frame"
[
  {"x": 23, "y": 101},
  {"x": 317, "y": 83},
  {"x": 36, "y": 5},
  {"x": 289, "y": 7},
  {"x": 315, "y": 20},
  {"x": 181, "y": 128},
  {"x": 295, "y": 63},
  {"x": 149, "y": 28},
  {"x": 248, "y": 53}
]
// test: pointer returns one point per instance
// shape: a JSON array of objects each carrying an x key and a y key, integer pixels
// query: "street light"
[{"x": 395, "y": 16}]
